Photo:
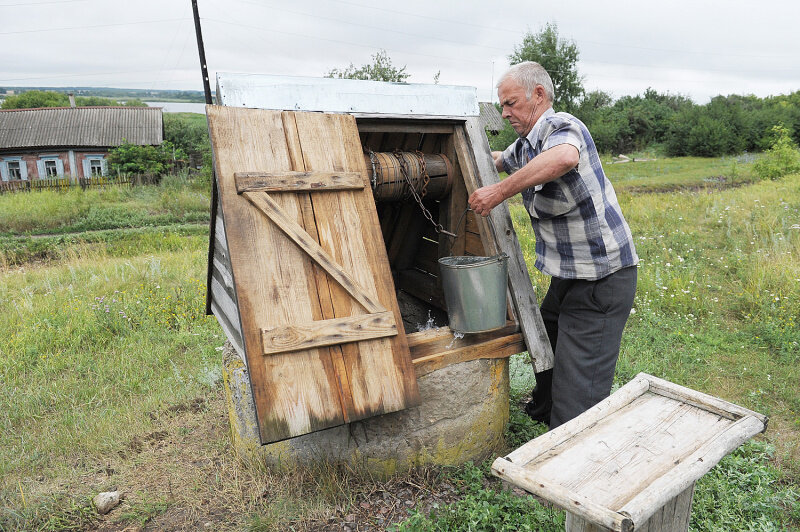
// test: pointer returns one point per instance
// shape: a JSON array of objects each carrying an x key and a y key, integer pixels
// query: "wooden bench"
[{"x": 631, "y": 461}]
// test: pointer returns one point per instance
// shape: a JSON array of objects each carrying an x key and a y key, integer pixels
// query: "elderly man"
[{"x": 582, "y": 242}]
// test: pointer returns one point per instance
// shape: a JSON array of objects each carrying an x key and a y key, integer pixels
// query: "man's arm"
[
  {"x": 547, "y": 166},
  {"x": 498, "y": 160}
]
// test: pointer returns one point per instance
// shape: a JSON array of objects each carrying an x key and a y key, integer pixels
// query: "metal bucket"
[{"x": 475, "y": 292}]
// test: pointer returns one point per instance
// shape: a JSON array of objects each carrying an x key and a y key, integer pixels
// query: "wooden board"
[
  {"x": 277, "y": 284},
  {"x": 296, "y": 181},
  {"x": 627, "y": 457},
  {"x": 436, "y": 348},
  {"x": 479, "y": 170}
]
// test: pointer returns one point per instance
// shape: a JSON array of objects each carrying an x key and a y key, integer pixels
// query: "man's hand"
[
  {"x": 547, "y": 166},
  {"x": 486, "y": 198}
]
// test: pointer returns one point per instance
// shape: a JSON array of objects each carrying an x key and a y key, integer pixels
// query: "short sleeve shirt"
[{"x": 579, "y": 227}]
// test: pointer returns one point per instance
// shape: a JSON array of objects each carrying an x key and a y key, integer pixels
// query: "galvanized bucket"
[{"x": 475, "y": 292}]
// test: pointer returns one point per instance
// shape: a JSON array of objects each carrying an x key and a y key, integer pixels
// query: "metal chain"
[
  {"x": 404, "y": 171},
  {"x": 374, "y": 160},
  {"x": 425, "y": 177}
]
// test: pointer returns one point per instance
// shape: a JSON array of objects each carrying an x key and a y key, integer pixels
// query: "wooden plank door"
[{"x": 323, "y": 336}]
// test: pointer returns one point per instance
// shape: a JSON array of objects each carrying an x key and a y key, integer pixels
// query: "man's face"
[{"x": 517, "y": 109}]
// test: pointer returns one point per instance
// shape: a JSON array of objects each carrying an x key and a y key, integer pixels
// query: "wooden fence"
[{"x": 64, "y": 183}]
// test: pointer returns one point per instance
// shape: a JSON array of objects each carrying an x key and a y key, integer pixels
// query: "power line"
[
  {"x": 46, "y": 30},
  {"x": 396, "y": 12},
  {"x": 82, "y": 74},
  {"x": 342, "y": 42},
  {"x": 368, "y": 26},
  {"x": 610, "y": 63},
  {"x": 518, "y": 32},
  {"x": 27, "y": 4}
]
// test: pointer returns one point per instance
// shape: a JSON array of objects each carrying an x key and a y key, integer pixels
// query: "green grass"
[
  {"x": 485, "y": 506},
  {"x": 668, "y": 174},
  {"x": 92, "y": 347},
  {"x": 104, "y": 331},
  {"x": 20, "y": 250},
  {"x": 115, "y": 207}
]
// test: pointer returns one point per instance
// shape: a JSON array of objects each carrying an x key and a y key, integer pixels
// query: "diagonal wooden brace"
[{"x": 296, "y": 233}]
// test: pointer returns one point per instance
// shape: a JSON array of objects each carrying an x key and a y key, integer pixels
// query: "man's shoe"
[{"x": 539, "y": 412}]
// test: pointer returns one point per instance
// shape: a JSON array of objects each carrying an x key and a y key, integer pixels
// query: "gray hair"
[{"x": 529, "y": 74}]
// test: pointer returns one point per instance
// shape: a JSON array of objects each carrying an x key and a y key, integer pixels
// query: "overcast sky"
[{"x": 696, "y": 48}]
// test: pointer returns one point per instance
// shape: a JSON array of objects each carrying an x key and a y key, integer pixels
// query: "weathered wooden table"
[{"x": 631, "y": 461}]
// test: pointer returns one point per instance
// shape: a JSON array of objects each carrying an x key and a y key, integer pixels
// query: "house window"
[
  {"x": 14, "y": 171},
  {"x": 96, "y": 167},
  {"x": 13, "y": 168},
  {"x": 50, "y": 168}
]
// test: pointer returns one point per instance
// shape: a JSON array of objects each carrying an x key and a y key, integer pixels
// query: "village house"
[{"x": 70, "y": 142}]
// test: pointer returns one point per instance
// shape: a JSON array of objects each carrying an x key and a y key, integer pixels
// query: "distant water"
[{"x": 180, "y": 107}]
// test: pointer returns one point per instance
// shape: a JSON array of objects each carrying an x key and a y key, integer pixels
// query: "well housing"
[{"x": 327, "y": 288}]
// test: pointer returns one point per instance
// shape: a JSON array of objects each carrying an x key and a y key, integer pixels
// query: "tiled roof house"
[{"x": 70, "y": 142}]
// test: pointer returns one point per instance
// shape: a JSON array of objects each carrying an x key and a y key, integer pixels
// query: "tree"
[
  {"x": 781, "y": 158},
  {"x": 381, "y": 69},
  {"x": 189, "y": 132},
  {"x": 36, "y": 99},
  {"x": 559, "y": 57},
  {"x": 148, "y": 161}
]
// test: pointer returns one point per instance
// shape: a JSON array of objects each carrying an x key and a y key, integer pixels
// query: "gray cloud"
[{"x": 695, "y": 48}]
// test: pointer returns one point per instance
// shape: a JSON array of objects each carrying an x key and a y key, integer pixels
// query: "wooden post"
[{"x": 674, "y": 516}]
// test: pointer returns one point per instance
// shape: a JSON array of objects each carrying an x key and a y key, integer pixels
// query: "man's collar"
[{"x": 533, "y": 134}]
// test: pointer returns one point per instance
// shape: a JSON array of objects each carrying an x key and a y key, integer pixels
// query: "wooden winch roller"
[{"x": 389, "y": 184}]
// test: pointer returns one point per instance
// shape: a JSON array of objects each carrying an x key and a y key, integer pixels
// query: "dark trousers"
[{"x": 584, "y": 322}]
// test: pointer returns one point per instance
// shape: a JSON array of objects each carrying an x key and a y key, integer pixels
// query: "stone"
[
  {"x": 106, "y": 501},
  {"x": 463, "y": 411}
]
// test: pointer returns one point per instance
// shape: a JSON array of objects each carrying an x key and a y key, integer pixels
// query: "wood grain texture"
[
  {"x": 293, "y": 393},
  {"x": 501, "y": 347},
  {"x": 316, "y": 277},
  {"x": 294, "y": 231},
  {"x": 523, "y": 297},
  {"x": 437, "y": 341},
  {"x": 702, "y": 400},
  {"x": 638, "y": 453},
  {"x": 328, "y": 332},
  {"x": 574, "y": 503},
  {"x": 380, "y": 373},
  {"x": 693, "y": 466},
  {"x": 549, "y": 440},
  {"x": 296, "y": 181}
]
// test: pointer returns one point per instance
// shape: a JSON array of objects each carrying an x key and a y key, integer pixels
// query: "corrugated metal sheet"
[
  {"x": 80, "y": 126},
  {"x": 333, "y": 95},
  {"x": 491, "y": 118}
]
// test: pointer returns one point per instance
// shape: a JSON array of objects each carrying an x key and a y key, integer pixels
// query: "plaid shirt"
[{"x": 579, "y": 227}]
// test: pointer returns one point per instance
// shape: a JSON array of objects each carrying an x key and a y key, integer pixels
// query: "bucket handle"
[{"x": 454, "y": 234}]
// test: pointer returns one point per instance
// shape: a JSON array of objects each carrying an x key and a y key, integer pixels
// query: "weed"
[
  {"x": 744, "y": 488},
  {"x": 485, "y": 506},
  {"x": 83, "y": 389},
  {"x": 143, "y": 510}
]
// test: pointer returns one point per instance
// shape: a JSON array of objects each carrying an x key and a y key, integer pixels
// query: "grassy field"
[
  {"x": 110, "y": 372},
  {"x": 648, "y": 174}
]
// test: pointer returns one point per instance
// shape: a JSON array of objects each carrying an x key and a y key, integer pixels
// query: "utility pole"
[
  {"x": 213, "y": 221},
  {"x": 201, "y": 49}
]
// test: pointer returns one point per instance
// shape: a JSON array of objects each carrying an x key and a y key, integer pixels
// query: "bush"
[
  {"x": 187, "y": 131},
  {"x": 780, "y": 159},
  {"x": 147, "y": 161}
]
